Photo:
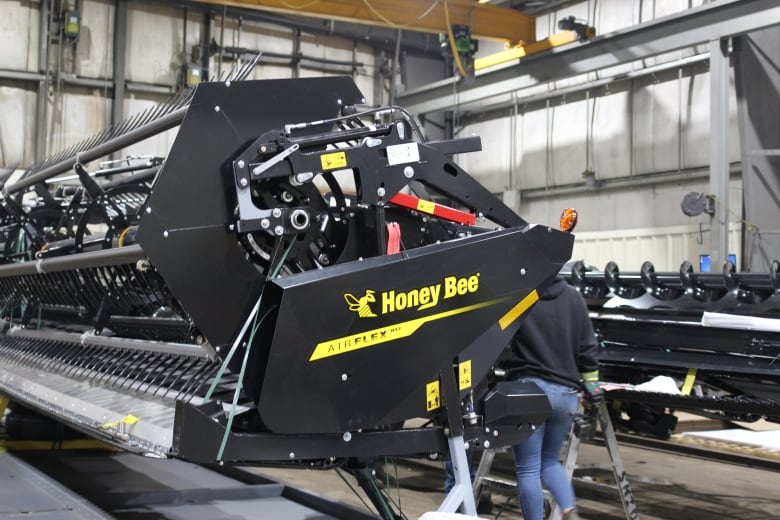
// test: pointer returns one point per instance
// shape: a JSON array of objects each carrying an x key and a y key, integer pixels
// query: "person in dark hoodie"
[{"x": 555, "y": 348}]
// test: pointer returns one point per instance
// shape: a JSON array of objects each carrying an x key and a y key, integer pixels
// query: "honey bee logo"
[{"x": 361, "y": 305}]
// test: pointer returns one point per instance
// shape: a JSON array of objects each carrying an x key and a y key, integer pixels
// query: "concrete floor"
[{"x": 666, "y": 486}]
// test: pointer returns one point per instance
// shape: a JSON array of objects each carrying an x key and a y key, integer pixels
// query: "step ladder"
[{"x": 581, "y": 430}]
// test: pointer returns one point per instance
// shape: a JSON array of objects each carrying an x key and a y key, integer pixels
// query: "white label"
[{"x": 403, "y": 153}]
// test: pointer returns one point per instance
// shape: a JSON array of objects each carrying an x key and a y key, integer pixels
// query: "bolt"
[
  {"x": 292, "y": 455},
  {"x": 165, "y": 233},
  {"x": 408, "y": 172},
  {"x": 241, "y": 164},
  {"x": 338, "y": 101},
  {"x": 344, "y": 377},
  {"x": 522, "y": 271},
  {"x": 495, "y": 433},
  {"x": 347, "y": 436},
  {"x": 380, "y": 191},
  {"x": 279, "y": 231},
  {"x": 486, "y": 444},
  {"x": 231, "y": 227},
  {"x": 276, "y": 212},
  {"x": 323, "y": 259},
  {"x": 243, "y": 182},
  {"x": 466, "y": 445},
  {"x": 149, "y": 210},
  {"x": 216, "y": 108},
  {"x": 227, "y": 83},
  {"x": 265, "y": 223}
]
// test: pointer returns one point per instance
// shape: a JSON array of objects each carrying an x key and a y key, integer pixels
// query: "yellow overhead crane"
[{"x": 485, "y": 21}]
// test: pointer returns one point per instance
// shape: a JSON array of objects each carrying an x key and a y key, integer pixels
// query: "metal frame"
[
  {"x": 461, "y": 496},
  {"x": 616, "y": 463},
  {"x": 93, "y": 409}
]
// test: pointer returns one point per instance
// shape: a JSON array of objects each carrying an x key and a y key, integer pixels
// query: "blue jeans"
[{"x": 536, "y": 460}]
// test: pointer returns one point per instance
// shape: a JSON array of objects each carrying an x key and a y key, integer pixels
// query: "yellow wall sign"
[
  {"x": 464, "y": 374},
  {"x": 433, "y": 395},
  {"x": 331, "y": 161}
]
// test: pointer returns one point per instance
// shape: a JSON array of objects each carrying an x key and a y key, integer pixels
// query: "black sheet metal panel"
[
  {"x": 126, "y": 486},
  {"x": 186, "y": 233},
  {"x": 27, "y": 492},
  {"x": 343, "y": 366}
]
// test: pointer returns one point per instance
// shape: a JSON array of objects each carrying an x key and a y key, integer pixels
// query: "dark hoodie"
[{"x": 556, "y": 339}]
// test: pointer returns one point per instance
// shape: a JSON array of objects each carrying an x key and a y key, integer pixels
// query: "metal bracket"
[{"x": 276, "y": 159}]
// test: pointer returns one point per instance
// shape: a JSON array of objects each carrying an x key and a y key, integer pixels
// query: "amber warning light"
[{"x": 568, "y": 220}]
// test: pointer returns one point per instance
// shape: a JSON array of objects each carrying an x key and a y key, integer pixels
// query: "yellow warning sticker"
[
  {"x": 433, "y": 395},
  {"x": 331, "y": 161},
  {"x": 426, "y": 206},
  {"x": 464, "y": 374}
]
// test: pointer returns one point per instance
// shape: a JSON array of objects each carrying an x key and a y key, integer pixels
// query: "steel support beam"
[
  {"x": 41, "y": 112},
  {"x": 720, "y": 19},
  {"x": 690, "y": 65},
  {"x": 719, "y": 150},
  {"x": 100, "y": 83},
  {"x": 120, "y": 55}
]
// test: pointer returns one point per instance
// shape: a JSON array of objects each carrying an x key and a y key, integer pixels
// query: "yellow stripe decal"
[
  {"x": 517, "y": 311},
  {"x": 373, "y": 337},
  {"x": 690, "y": 379}
]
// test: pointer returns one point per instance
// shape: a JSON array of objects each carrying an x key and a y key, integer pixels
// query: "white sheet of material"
[
  {"x": 733, "y": 321},
  {"x": 769, "y": 440}
]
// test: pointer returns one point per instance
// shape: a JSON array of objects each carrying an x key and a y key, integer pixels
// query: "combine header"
[{"x": 302, "y": 281}]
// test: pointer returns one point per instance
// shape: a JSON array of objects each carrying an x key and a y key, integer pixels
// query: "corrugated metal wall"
[{"x": 155, "y": 53}]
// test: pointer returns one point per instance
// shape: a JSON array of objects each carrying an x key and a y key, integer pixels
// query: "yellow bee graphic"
[{"x": 360, "y": 305}]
